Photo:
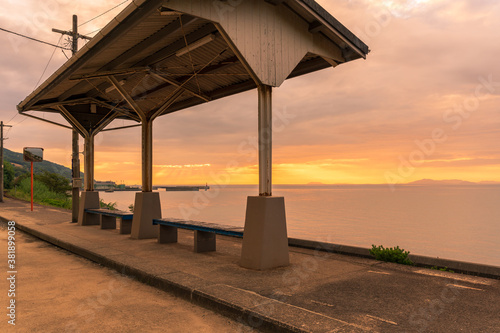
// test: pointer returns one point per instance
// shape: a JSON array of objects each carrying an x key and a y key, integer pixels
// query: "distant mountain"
[
  {"x": 17, "y": 160},
  {"x": 448, "y": 182}
]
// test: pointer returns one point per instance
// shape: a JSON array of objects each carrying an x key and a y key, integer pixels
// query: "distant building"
[{"x": 98, "y": 185}]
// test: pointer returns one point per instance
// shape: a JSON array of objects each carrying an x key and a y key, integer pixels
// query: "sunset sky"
[{"x": 424, "y": 104}]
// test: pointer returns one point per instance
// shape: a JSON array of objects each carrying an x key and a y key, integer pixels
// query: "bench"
[
  {"x": 204, "y": 232},
  {"x": 107, "y": 219}
]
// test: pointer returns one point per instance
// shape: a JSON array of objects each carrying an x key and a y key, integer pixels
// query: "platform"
[{"x": 318, "y": 292}]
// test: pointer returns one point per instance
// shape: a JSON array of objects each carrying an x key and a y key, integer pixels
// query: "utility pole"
[
  {"x": 1, "y": 158},
  {"x": 75, "y": 160}
]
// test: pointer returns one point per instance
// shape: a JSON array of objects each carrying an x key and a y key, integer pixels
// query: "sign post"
[{"x": 31, "y": 154}]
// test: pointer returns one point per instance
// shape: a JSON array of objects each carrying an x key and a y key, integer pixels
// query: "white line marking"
[
  {"x": 384, "y": 320},
  {"x": 321, "y": 303},
  {"x": 378, "y": 272},
  {"x": 463, "y": 287},
  {"x": 455, "y": 276}
]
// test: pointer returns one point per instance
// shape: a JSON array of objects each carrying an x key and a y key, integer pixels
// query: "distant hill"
[
  {"x": 448, "y": 182},
  {"x": 17, "y": 159}
]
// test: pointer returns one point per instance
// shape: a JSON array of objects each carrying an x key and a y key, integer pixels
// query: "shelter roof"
[{"x": 161, "y": 56}]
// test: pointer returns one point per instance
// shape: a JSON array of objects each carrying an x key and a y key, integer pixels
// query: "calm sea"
[{"x": 452, "y": 222}]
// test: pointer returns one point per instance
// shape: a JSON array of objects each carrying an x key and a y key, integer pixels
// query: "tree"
[
  {"x": 8, "y": 175},
  {"x": 56, "y": 183}
]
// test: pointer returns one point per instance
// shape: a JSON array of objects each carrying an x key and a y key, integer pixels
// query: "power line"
[
  {"x": 104, "y": 13},
  {"x": 46, "y": 66},
  {"x": 34, "y": 39}
]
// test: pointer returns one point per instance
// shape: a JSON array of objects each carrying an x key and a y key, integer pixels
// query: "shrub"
[
  {"x": 41, "y": 194},
  {"x": 109, "y": 205},
  {"x": 390, "y": 254},
  {"x": 8, "y": 175},
  {"x": 56, "y": 183}
]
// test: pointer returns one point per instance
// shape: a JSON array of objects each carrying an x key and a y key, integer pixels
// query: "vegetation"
[
  {"x": 109, "y": 205},
  {"x": 390, "y": 254},
  {"x": 443, "y": 269},
  {"x": 56, "y": 183},
  {"x": 8, "y": 175},
  {"x": 21, "y": 166},
  {"x": 41, "y": 194},
  {"x": 131, "y": 208}
]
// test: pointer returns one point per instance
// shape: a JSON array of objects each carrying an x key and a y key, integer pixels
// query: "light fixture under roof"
[
  {"x": 200, "y": 42},
  {"x": 169, "y": 12}
]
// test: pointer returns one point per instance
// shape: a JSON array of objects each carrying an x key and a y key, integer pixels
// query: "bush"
[
  {"x": 56, "y": 183},
  {"x": 41, "y": 194},
  {"x": 390, "y": 254},
  {"x": 109, "y": 205},
  {"x": 8, "y": 175}
]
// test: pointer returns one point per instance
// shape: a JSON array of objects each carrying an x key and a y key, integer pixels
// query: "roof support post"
[
  {"x": 89, "y": 162},
  {"x": 265, "y": 140},
  {"x": 147, "y": 155}
]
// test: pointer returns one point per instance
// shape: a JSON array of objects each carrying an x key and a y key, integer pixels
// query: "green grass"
[
  {"x": 42, "y": 195},
  {"x": 390, "y": 254},
  {"x": 442, "y": 269}
]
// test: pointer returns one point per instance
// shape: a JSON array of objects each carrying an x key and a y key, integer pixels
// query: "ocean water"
[{"x": 452, "y": 222}]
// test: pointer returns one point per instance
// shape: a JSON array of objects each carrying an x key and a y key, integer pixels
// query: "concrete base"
[
  {"x": 88, "y": 200},
  {"x": 204, "y": 241},
  {"x": 108, "y": 222},
  {"x": 125, "y": 227},
  {"x": 146, "y": 208},
  {"x": 265, "y": 241},
  {"x": 168, "y": 234}
]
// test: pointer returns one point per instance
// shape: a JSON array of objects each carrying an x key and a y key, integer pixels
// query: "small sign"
[
  {"x": 32, "y": 154},
  {"x": 77, "y": 182}
]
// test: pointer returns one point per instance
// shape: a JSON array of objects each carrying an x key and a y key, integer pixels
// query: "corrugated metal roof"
[{"x": 145, "y": 51}]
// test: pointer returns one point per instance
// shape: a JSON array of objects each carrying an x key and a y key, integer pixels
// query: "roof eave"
[{"x": 109, "y": 32}]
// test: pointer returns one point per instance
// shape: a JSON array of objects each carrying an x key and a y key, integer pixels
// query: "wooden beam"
[
  {"x": 179, "y": 85},
  {"x": 127, "y": 97},
  {"x": 72, "y": 120}
]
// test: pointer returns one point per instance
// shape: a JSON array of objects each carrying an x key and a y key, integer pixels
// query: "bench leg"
[
  {"x": 167, "y": 234},
  {"x": 125, "y": 227},
  {"x": 108, "y": 222},
  {"x": 204, "y": 241},
  {"x": 92, "y": 219}
]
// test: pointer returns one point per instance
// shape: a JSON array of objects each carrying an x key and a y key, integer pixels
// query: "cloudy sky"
[{"x": 424, "y": 104}]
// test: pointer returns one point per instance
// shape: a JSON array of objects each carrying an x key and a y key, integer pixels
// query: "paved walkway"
[
  {"x": 318, "y": 292},
  {"x": 57, "y": 291}
]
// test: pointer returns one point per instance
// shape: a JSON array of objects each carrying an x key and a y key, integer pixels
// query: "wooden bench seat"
[
  {"x": 107, "y": 219},
  {"x": 204, "y": 232}
]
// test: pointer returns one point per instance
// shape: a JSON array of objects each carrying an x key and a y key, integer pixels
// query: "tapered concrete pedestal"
[
  {"x": 146, "y": 208},
  {"x": 265, "y": 240},
  {"x": 88, "y": 200}
]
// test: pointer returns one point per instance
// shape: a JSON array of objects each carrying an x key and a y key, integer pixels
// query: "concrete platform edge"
[
  {"x": 232, "y": 310},
  {"x": 488, "y": 271}
]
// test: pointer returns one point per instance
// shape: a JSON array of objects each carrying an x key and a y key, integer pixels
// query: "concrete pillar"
[
  {"x": 265, "y": 240},
  {"x": 147, "y": 203},
  {"x": 89, "y": 198}
]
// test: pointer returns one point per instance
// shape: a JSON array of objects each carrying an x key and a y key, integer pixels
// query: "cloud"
[{"x": 348, "y": 124}]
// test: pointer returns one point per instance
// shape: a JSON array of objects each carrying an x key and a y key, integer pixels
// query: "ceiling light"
[{"x": 195, "y": 45}]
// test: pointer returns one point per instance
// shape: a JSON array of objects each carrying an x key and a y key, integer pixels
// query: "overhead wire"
[
  {"x": 55, "y": 46},
  {"x": 34, "y": 39},
  {"x": 48, "y": 63},
  {"x": 121, "y": 3}
]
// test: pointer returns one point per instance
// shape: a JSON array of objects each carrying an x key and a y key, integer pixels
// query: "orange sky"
[{"x": 425, "y": 103}]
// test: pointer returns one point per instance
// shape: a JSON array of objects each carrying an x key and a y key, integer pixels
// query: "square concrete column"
[
  {"x": 265, "y": 239},
  {"x": 146, "y": 208},
  {"x": 88, "y": 200}
]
